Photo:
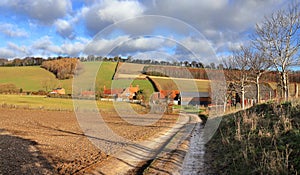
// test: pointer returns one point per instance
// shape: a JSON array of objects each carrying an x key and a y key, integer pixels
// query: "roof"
[
  {"x": 133, "y": 89},
  {"x": 194, "y": 94},
  {"x": 165, "y": 93},
  {"x": 112, "y": 91}
]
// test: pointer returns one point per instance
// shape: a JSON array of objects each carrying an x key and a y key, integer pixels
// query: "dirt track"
[{"x": 45, "y": 142}]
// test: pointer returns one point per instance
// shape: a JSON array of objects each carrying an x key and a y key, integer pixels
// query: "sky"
[{"x": 161, "y": 29}]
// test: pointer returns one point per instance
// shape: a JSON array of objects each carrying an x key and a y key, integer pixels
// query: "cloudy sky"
[{"x": 141, "y": 28}]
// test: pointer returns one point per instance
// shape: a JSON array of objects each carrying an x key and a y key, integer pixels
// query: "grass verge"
[{"x": 263, "y": 139}]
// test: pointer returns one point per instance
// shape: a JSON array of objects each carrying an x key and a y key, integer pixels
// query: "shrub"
[{"x": 8, "y": 88}]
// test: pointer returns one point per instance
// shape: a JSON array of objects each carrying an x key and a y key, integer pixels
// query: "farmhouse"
[
  {"x": 129, "y": 93},
  {"x": 60, "y": 91},
  {"x": 89, "y": 94},
  {"x": 112, "y": 93}
]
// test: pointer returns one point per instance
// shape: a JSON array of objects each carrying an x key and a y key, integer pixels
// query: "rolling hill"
[{"x": 35, "y": 78}]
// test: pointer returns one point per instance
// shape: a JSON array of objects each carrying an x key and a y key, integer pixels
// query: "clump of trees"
[
  {"x": 28, "y": 61},
  {"x": 64, "y": 68},
  {"x": 274, "y": 47}
]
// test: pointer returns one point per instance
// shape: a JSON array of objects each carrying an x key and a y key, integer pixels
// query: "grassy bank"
[{"x": 264, "y": 139}]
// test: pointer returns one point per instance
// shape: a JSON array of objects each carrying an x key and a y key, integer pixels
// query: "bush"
[{"x": 8, "y": 88}]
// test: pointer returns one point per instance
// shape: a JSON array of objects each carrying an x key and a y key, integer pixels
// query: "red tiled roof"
[
  {"x": 165, "y": 93},
  {"x": 112, "y": 91},
  {"x": 87, "y": 93}
]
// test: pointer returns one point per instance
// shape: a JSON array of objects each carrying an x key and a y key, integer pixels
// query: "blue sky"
[{"x": 68, "y": 28}]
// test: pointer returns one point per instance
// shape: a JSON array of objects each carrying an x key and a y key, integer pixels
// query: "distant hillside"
[
  {"x": 32, "y": 78},
  {"x": 35, "y": 78}
]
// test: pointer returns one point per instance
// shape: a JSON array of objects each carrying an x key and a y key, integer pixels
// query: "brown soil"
[{"x": 51, "y": 142}]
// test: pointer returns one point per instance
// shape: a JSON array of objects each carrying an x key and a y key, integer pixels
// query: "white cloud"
[
  {"x": 100, "y": 46},
  {"x": 46, "y": 47},
  {"x": 143, "y": 44},
  {"x": 100, "y": 15},
  {"x": 155, "y": 56},
  {"x": 114, "y": 11},
  {"x": 22, "y": 50},
  {"x": 45, "y": 11},
  {"x": 199, "y": 47},
  {"x": 11, "y": 30},
  {"x": 72, "y": 49},
  {"x": 6, "y": 53},
  {"x": 13, "y": 50},
  {"x": 64, "y": 28},
  {"x": 224, "y": 23}
]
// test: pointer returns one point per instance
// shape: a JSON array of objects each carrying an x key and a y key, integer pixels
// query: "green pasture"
[
  {"x": 45, "y": 103},
  {"x": 34, "y": 78}
]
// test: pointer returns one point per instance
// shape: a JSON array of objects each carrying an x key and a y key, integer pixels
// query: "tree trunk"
[
  {"x": 225, "y": 104},
  {"x": 296, "y": 90},
  {"x": 257, "y": 89},
  {"x": 243, "y": 95},
  {"x": 284, "y": 85}
]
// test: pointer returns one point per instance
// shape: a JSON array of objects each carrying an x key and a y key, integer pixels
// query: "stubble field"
[{"x": 51, "y": 142}]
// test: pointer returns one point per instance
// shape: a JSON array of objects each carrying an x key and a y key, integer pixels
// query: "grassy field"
[
  {"x": 30, "y": 101},
  {"x": 261, "y": 140},
  {"x": 42, "y": 102},
  {"x": 34, "y": 78}
]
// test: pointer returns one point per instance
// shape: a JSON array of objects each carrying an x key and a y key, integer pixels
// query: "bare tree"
[
  {"x": 238, "y": 71},
  {"x": 278, "y": 38},
  {"x": 258, "y": 65}
]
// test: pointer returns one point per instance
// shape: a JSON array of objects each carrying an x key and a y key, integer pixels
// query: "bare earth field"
[{"x": 51, "y": 142}]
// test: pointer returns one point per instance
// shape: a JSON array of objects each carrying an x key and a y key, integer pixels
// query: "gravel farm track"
[{"x": 51, "y": 142}]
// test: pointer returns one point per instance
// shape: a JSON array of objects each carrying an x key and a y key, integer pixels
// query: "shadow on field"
[{"x": 20, "y": 156}]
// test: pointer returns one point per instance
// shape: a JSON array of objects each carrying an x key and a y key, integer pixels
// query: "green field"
[
  {"x": 45, "y": 103},
  {"x": 34, "y": 78}
]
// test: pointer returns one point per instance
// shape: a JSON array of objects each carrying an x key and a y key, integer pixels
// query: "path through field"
[
  {"x": 134, "y": 157},
  {"x": 194, "y": 160}
]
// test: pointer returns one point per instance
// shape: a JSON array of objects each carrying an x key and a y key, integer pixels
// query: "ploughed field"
[{"x": 51, "y": 142}]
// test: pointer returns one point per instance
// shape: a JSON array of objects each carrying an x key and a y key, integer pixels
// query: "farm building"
[
  {"x": 182, "y": 98},
  {"x": 88, "y": 94},
  {"x": 195, "y": 98},
  {"x": 120, "y": 94},
  {"x": 60, "y": 91},
  {"x": 112, "y": 93},
  {"x": 130, "y": 93}
]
